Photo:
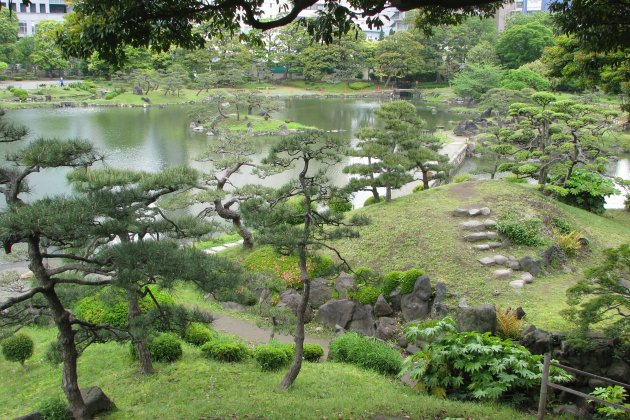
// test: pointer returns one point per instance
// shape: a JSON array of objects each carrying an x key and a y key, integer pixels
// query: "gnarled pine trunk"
[{"x": 139, "y": 342}]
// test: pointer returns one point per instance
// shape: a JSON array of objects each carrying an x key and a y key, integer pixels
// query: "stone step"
[
  {"x": 489, "y": 245},
  {"x": 480, "y": 236},
  {"x": 477, "y": 226},
  {"x": 482, "y": 211},
  {"x": 503, "y": 273}
]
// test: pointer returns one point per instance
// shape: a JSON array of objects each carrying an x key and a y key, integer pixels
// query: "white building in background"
[
  {"x": 29, "y": 16},
  {"x": 519, "y": 6}
]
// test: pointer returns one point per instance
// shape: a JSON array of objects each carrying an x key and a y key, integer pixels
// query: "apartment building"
[
  {"x": 29, "y": 16},
  {"x": 519, "y": 6}
]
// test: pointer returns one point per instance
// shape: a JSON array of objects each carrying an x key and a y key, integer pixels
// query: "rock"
[
  {"x": 553, "y": 258},
  {"x": 474, "y": 212},
  {"x": 440, "y": 292},
  {"x": 584, "y": 241},
  {"x": 481, "y": 318},
  {"x": 26, "y": 276},
  {"x": 567, "y": 409},
  {"x": 362, "y": 320},
  {"x": 344, "y": 283},
  {"x": 531, "y": 265},
  {"x": 619, "y": 371},
  {"x": 339, "y": 329},
  {"x": 513, "y": 265},
  {"x": 96, "y": 401},
  {"x": 481, "y": 247},
  {"x": 415, "y": 305},
  {"x": 480, "y": 236},
  {"x": 146, "y": 100},
  {"x": 382, "y": 308},
  {"x": 537, "y": 341},
  {"x": 439, "y": 310},
  {"x": 490, "y": 224},
  {"x": 233, "y": 306},
  {"x": 520, "y": 312},
  {"x": 496, "y": 293},
  {"x": 321, "y": 292},
  {"x": 485, "y": 211},
  {"x": 463, "y": 303},
  {"x": 517, "y": 284},
  {"x": 487, "y": 261},
  {"x": 495, "y": 244},
  {"x": 503, "y": 273},
  {"x": 500, "y": 259},
  {"x": 386, "y": 328},
  {"x": 472, "y": 225},
  {"x": 336, "y": 312},
  {"x": 460, "y": 213},
  {"x": 395, "y": 299},
  {"x": 412, "y": 349},
  {"x": 466, "y": 128},
  {"x": 527, "y": 278},
  {"x": 402, "y": 341},
  {"x": 291, "y": 299},
  {"x": 487, "y": 113}
]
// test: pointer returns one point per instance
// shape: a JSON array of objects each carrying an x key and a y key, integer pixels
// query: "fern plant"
[{"x": 470, "y": 365}]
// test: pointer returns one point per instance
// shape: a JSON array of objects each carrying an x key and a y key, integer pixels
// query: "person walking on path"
[{"x": 61, "y": 82}]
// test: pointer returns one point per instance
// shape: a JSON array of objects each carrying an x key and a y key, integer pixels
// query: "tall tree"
[
  {"x": 521, "y": 44},
  {"x": 399, "y": 56},
  {"x": 275, "y": 220},
  {"x": 9, "y": 28},
  {"x": 47, "y": 55}
]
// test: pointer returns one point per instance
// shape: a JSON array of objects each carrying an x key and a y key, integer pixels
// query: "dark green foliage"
[
  {"x": 408, "y": 280},
  {"x": 17, "y": 348},
  {"x": 370, "y": 200},
  {"x": 340, "y": 205},
  {"x": 111, "y": 95},
  {"x": 165, "y": 347},
  {"x": 521, "y": 44},
  {"x": 477, "y": 366},
  {"x": 54, "y": 408},
  {"x": 199, "y": 334},
  {"x": 323, "y": 266},
  {"x": 271, "y": 356},
  {"x": 562, "y": 225},
  {"x": 241, "y": 295},
  {"x": 359, "y": 85},
  {"x": 587, "y": 190},
  {"x": 366, "y": 276},
  {"x": 391, "y": 281},
  {"x": 475, "y": 80},
  {"x": 366, "y": 352},
  {"x": 365, "y": 294},
  {"x": 313, "y": 352},
  {"x": 523, "y": 78},
  {"x": 20, "y": 93},
  {"x": 521, "y": 232},
  {"x": 225, "y": 349},
  {"x": 53, "y": 353}
]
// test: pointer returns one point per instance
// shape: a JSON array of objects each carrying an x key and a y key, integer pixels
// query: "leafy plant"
[
  {"x": 365, "y": 294},
  {"x": 225, "y": 349},
  {"x": 508, "y": 324},
  {"x": 471, "y": 365},
  {"x": 165, "y": 348},
  {"x": 17, "y": 348},
  {"x": 562, "y": 225},
  {"x": 408, "y": 280},
  {"x": 313, "y": 352},
  {"x": 521, "y": 232},
  {"x": 370, "y": 200},
  {"x": 54, "y": 408},
  {"x": 569, "y": 243},
  {"x": 198, "y": 334},
  {"x": 271, "y": 356},
  {"x": 587, "y": 190},
  {"x": 359, "y": 85},
  {"x": 614, "y": 394},
  {"x": 391, "y": 281},
  {"x": 366, "y": 276},
  {"x": 366, "y": 352},
  {"x": 461, "y": 178}
]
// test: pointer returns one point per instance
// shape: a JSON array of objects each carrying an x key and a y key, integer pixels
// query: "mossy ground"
[{"x": 195, "y": 387}]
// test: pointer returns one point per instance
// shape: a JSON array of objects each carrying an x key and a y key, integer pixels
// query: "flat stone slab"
[
  {"x": 500, "y": 259},
  {"x": 460, "y": 213},
  {"x": 481, "y": 247},
  {"x": 473, "y": 225},
  {"x": 487, "y": 261},
  {"x": 480, "y": 236},
  {"x": 514, "y": 265},
  {"x": 503, "y": 273},
  {"x": 495, "y": 244},
  {"x": 517, "y": 284},
  {"x": 490, "y": 224},
  {"x": 527, "y": 278}
]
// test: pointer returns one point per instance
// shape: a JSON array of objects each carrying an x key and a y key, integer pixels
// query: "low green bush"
[
  {"x": 391, "y": 281},
  {"x": 515, "y": 179},
  {"x": 271, "y": 357},
  {"x": 562, "y": 225},
  {"x": 20, "y": 93},
  {"x": 359, "y": 85},
  {"x": 111, "y": 95},
  {"x": 225, "y": 349},
  {"x": 17, "y": 348},
  {"x": 365, "y": 295},
  {"x": 521, "y": 232},
  {"x": 165, "y": 348},
  {"x": 53, "y": 353},
  {"x": 313, "y": 352},
  {"x": 366, "y": 352},
  {"x": 54, "y": 408},
  {"x": 408, "y": 280},
  {"x": 198, "y": 334},
  {"x": 340, "y": 205},
  {"x": 371, "y": 201},
  {"x": 366, "y": 276},
  {"x": 461, "y": 178},
  {"x": 323, "y": 266},
  {"x": 418, "y": 188}
]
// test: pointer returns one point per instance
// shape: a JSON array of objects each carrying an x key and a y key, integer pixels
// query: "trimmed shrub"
[
  {"x": 391, "y": 282},
  {"x": 365, "y": 295},
  {"x": 521, "y": 232},
  {"x": 365, "y": 276},
  {"x": 313, "y": 352},
  {"x": 111, "y": 95},
  {"x": 515, "y": 179},
  {"x": 340, "y": 205},
  {"x": 271, "y": 357},
  {"x": 198, "y": 334},
  {"x": 418, "y": 188},
  {"x": 366, "y": 352},
  {"x": 508, "y": 324},
  {"x": 53, "y": 353},
  {"x": 165, "y": 348},
  {"x": 17, "y": 348},
  {"x": 54, "y": 408},
  {"x": 20, "y": 93},
  {"x": 462, "y": 178},
  {"x": 359, "y": 85},
  {"x": 408, "y": 280},
  {"x": 225, "y": 349},
  {"x": 371, "y": 201}
]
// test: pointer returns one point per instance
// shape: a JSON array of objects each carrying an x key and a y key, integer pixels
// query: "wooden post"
[{"x": 544, "y": 386}]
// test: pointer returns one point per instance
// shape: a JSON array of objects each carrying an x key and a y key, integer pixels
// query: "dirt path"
[{"x": 254, "y": 334}]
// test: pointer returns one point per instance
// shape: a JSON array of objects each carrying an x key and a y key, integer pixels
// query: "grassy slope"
[
  {"x": 419, "y": 231},
  {"x": 198, "y": 388}
]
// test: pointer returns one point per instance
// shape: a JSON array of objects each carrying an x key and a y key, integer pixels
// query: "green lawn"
[
  {"x": 194, "y": 388},
  {"x": 258, "y": 124},
  {"x": 419, "y": 231}
]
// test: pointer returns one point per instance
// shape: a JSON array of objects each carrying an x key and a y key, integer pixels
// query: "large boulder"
[
  {"x": 343, "y": 284},
  {"x": 382, "y": 308},
  {"x": 321, "y": 292},
  {"x": 96, "y": 401},
  {"x": 362, "y": 320},
  {"x": 537, "y": 341},
  {"x": 386, "y": 328},
  {"x": 481, "y": 318},
  {"x": 336, "y": 312},
  {"x": 466, "y": 128},
  {"x": 395, "y": 299},
  {"x": 291, "y": 299},
  {"x": 439, "y": 309},
  {"x": 530, "y": 264},
  {"x": 553, "y": 258},
  {"x": 415, "y": 305}
]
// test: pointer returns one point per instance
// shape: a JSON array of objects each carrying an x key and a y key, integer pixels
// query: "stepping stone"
[
  {"x": 495, "y": 244},
  {"x": 472, "y": 225},
  {"x": 517, "y": 284},
  {"x": 474, "y": 212},
  {"x": 460, "y": 213},
  {"x": 490, "y": 224},
  {"x": 527, "y": 278},
  {"x": 500, "y": 259},
  {"x": 485, "y": 211},
  {"x": 514, "y": 265},
  {"x": 481, "y": 247},
  {"x": 480, "y": 236},
  {"x": 487, "y": 261},
  {"x": 503, "y": 273}
]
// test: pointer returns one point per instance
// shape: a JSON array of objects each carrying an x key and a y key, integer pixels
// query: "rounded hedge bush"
[
  {"x": 17, "y": 348},
  {"x": 366, "y": 295},
  {"x": 408, "y": 280},
  {"x": 271, "y": 357},
  {"x": 371, "y": 201},
  {"x": 340, "y": 205},
  {"x": 313, "y": 352},
  {"x": 199, "y": 334},
  {"x": 225, "y": 349},
  {"x": 366, "y": 352},
  {"x": 391, "y": 281},
  {"x": 166, "y": 347},
  {"x": 365, "y": 275},
  {"x": 418, "y": 188}
]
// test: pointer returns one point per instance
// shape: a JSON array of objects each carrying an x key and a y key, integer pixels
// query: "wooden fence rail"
[{"x": 545, "y": 385}]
